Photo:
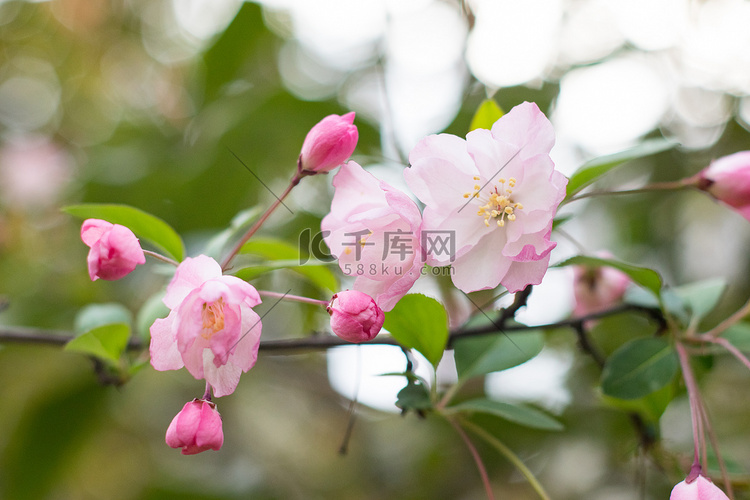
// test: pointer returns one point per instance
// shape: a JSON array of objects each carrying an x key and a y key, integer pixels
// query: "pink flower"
[
  {"x": 328, "y": 144},
  {"x": 196, "y": 428},
  {"x": 115, "y": 250},
  {"x": 728, "y": 180},
  {"x": 496, "y": 193},
  {"x": 697, "y": 489},
  {"x": 597, "y": 288},
  {"x": 355, "y": 316},
  {"x": 374, "y": 231},
  {"x": 211, "y": 328}
]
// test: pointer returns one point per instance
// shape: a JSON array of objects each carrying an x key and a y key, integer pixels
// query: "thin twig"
[
  {"x": 512, "y": 457},
  {"x": 477, "y": 458}
]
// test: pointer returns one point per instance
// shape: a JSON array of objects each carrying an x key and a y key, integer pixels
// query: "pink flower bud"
[
  {"x": 355, "y": 316},
  {"x": 697, "y": 489},
  {"x": 115, "y": 251},
  {"x": 328, "y": 144},
  {"x": 196, "y": 428},
  {"x": 597, "y": 288},
  {"x": 728, "y": 180}
]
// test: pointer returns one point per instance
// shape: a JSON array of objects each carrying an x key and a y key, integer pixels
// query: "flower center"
[
  {"x": 499, "y": 206},
  {"x": 213, "y": 318}
]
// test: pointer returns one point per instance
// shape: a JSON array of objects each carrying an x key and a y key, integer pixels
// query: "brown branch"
[{"x": 321, "y": 341}]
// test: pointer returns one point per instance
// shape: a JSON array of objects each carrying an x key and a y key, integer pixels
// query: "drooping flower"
[
  {"x": 115, "y": 251},
  {"x": 355, "y": 316},
  {"x": 196, "y": 428},
  {"x": 374, "y": 231},
  {"x": 211, "y": 329},
  {"x": 495, "y": 194},
  {"x": 597, "y": 288},
  {"x": 328, "y": 144},
  {"x": 699, "y": 488},
  {"x": 728, "y": 180}
]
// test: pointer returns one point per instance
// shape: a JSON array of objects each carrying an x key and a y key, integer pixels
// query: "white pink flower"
[
  {"x": 328, "y": 144},
  {"x": 728, "y": 180},
  {"x": 115, "y": 251},
  {"x": 699, "y": 488},
  {"x": 355, "y": 316},
  {"x": 374, "y": 231},
  {"x": 211, "y": 329},
  {"x": 196, "y": 428},
  {"x": 496, "y": 192}
]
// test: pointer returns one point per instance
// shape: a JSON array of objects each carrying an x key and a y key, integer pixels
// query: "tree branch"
[{"x": 319, "y": 340}]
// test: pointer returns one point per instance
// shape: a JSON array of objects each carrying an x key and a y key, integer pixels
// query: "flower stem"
[
  {"x": 477, "y": 458},
  {"x": 255, "y": 227},
  {"x": 657, "y": 186},
  {"x": 207, "y": 394},
  {"x": 161, "y": 257},
  {"x": 730, "y": 321},
  {"x": 693, "y": 397},
  {"x": 512, "y": 457},
  {"x": 295, "y": 298}
]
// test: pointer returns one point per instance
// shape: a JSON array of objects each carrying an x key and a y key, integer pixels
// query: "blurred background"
[{"x": 147, "y": 103}]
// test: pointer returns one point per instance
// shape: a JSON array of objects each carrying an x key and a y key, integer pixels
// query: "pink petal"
[
  {"x": 190, "y": 274},
  {"x": 163, "y": 348},
  {"x": 526, "y": 127}
]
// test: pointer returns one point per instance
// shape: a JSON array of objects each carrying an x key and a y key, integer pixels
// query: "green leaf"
[
  {"x": 414, "y": 396},
  {"x": 650, "y": 406},
  {"x": 521, "y": 415},
  {"x": 647, "y": 278},
  {"x": 701, "y": 297},
  {"x": 282, "y": 255},
  {"x": 639, "y": 367},
  {"x": 487, "y": 114},
  {"x": 144, "y": 225},
  {"x": 476, "y": 356},
  {"x": 739, "y": 336},
  {"x": 106, "y": 342},
  {"x": 593, "y": 169},
  {"x": 94, "y": 315},
  {"x": 419, "y": 322}
]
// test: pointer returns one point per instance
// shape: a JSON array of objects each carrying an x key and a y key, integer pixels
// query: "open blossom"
[
  {"x": 496, "y": 193},
  {"x": 196, "y": 428},
  {"x": 728, "y": 180},
  {"x": 698, "y": 489},
  {"x": 328, "y": 144},
  {"x": 374, "y": 231},
  {"x": 597, "y": 288},
  {"x": 355, "y": 316},
  {"x": 211, "y": 329},
  {"x": 115, "y": 251}
]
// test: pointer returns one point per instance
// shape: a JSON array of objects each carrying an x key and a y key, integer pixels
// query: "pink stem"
[
  {"x": 254, "y": 229},
  {"x": 693, "y": 397},
  {"x": 477, "y": 459},
  {"x": 295, "y": 298},
  {"x": 729, "y": 347},
  {"x": 161, "y": 257}
]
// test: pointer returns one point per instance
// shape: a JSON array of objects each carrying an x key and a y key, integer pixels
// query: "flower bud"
[
  {"x": 597, "y": 288},
  {"x": 699, "y": 488},
  {"x": 728, "y": 180},
  {"x": 355, "y": 316},
  {"x": 196, "y": 428},
  {"x": 328, "y": 144},
  {"x": 115, "y": 251}
]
